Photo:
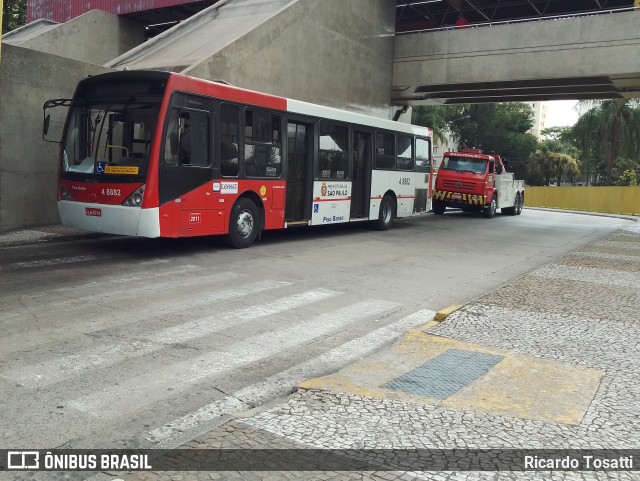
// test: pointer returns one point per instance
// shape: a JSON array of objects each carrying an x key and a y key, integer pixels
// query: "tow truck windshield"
[{"x": 464, "y": 164}]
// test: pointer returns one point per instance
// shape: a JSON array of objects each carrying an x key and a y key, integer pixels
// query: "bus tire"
[
  {"x": 490, "y": 210},
  {"x": 387, "y": 213},
  {"x": 438, "y": 207},
  {"x": 243, "y": 224}
]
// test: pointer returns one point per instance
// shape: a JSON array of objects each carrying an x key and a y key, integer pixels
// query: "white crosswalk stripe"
[
  {"x": 194, "y": 424},
  {"x": 114, "y": 319},
  {"x": 140, "y": 390},
  {"x": 57, "y": 369}
]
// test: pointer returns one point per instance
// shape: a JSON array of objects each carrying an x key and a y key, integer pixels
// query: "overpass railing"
[{"x": 522, "y": 20}]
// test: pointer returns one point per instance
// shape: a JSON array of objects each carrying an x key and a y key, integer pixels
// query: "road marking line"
[
  {"x": 20, "y": 340},
  {"x": 52, "y": 262},
  {"x": 118, "y": 280},
  {"x": 150, "y": 387},
  {"x": 186, "y": 428},
  {"x": 55, "y": 370}
]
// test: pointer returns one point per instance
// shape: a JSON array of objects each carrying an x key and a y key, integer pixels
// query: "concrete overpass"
[{"x": 576, "y": 57}]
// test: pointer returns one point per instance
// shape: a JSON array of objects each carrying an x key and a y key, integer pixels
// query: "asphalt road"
[{"x": 105, "y": 340}]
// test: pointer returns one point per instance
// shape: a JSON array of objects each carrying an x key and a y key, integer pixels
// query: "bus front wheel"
[{"x": 243, "y": 224}]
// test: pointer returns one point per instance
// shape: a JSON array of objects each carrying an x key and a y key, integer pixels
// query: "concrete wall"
[
  {"x": 28, "y": 165},
  {"x": 94, "y": 37},
  {"x": 329, "y": 52}
]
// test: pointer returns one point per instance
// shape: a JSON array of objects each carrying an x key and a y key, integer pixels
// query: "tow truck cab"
[{"x": 471, "y": 180}]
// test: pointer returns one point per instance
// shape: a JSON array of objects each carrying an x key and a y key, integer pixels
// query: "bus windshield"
[
  {"x": 464, "y": 164},
  {"x": 109, "y": 140}
]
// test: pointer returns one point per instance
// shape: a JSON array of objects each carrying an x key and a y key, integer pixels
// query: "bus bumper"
[{"x": 110, "y": 219}]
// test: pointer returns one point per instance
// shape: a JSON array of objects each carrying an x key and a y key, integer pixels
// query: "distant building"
[
  {"x": 539, "y": 118},
  {"x": 439, "y": 148},
  {"x": 59, "y": 11}
]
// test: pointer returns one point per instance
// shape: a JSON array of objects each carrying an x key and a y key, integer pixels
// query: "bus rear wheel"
[
  {"x": 243, "y": 224},
  {"x": 387, "y": 213},
  {"x": 438, "y": 207}
]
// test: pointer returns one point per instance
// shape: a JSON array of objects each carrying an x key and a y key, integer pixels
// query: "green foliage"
[
  {"x": 14, "y": 14},
  {"x": 544, "y": 164},
  {"x": 628, "y": 177},
  {"x": 501, "y": 128},
  {"x": 608, "y": 131},
  {"x": 436, "y": 117}
]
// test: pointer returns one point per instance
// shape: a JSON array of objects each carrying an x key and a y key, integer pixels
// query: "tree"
[
  {"x": 554, "y": 156},
  {"x": 14, "y": 14},
  {"x": 539, "y": 168},
  {"x": 436, "y": 117},
  {"x": 501, "y": 128},
  {"x": 609, "y": 130}
]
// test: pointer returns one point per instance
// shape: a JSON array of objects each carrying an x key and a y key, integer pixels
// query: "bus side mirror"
[
  {"x": 45, "y": 126},
  {"x": 498, "y": 169},
  {"x": 46, "y": 123}
]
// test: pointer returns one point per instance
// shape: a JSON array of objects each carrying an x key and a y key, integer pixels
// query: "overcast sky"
[{"x": 561, "y": 113}]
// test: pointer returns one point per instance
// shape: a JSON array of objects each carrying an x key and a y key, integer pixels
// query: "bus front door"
[
  {"x": 299, "y": 164},
  {"x": 361, "y": 184}
]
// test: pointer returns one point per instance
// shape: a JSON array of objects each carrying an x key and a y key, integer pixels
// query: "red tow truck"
[{"x": 473, "y": 181}]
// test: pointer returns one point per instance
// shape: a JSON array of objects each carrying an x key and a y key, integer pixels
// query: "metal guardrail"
[{"x": 522, "y": 20}]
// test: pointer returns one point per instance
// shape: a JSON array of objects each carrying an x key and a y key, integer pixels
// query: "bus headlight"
[{"x": 135, "y": 199}]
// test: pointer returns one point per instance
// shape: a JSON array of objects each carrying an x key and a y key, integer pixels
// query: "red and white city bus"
[{"x": 159, "y": 154}]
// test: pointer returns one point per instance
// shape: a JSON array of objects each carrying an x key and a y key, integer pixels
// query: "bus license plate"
[
  {"x": 456, "y": 196},
  {"x": 93, "y": 212}
]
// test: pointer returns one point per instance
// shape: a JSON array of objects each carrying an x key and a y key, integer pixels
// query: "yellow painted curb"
[{"x": 442, "y": 314}]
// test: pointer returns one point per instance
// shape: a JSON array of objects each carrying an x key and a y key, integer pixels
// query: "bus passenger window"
[
  {"x": 262, "y": 154},
  {"x": 171, "y": 149},
  {"x": 405, "y": 153},
  {"x": 333, "y": 161},
  {"x": 423, "y": 159},
  {"x": 385, "y": 151},
  {"x": 188, "y": 139},
  {"x": 229, "y": 140}
]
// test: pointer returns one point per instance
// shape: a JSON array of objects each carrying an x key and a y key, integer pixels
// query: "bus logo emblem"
[{"x": 323, "y": 191}]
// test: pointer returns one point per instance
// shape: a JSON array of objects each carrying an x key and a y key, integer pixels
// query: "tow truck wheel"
[
  {"x": 387, "y": 213},
  {"x": 520, "y": 204},
  {"x": 490, "y": 210},
  {"x": 512, "y": 210},
  {"x": 438, "y": 207}
]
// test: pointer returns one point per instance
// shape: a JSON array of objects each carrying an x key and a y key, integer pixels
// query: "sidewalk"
[
  {"x": 549, "y": 361},
  {"x": 42, "y": 234}
]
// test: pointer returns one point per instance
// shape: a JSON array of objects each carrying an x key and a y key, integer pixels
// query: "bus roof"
[{"x": 211, "y": 88}]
